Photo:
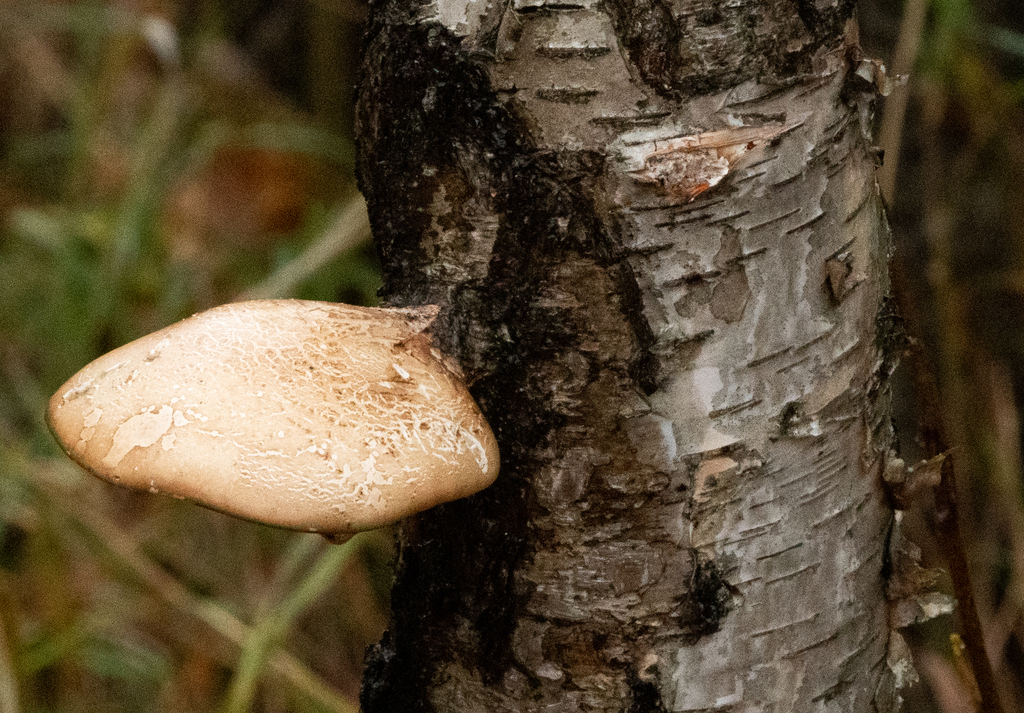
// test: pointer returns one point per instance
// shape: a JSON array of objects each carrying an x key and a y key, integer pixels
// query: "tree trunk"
[{"x": 655, "y": 234}]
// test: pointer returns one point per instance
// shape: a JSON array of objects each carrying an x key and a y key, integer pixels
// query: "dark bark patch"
[
  {"x": 827, "y": 21},
  {"x": 651, "y": 37},
  {"x": 891, "y": 338},
  {"x": 417, "y": 93},
  {"x": 692, "y": 48},
  {"x": 707, "y": 603},
  {"x": 644, "y": 366},
  {"x": 380, "y": 692},
  {"x": 577, "y": 649},
  {"x": 644, "y": 694},
  {"x": 469, "y": 545},
  {"x": 790, "y": 417}
]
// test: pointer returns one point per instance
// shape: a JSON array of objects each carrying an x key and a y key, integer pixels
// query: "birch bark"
[{"x": 655, "y": 233}]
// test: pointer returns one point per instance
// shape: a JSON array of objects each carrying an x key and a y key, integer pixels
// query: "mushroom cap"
[{"x": 312, "y": 416}]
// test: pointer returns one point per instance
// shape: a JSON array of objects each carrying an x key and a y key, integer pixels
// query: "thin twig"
[
  {"x": 904, "y": 56},
  {"x": 946, "y": 524}
]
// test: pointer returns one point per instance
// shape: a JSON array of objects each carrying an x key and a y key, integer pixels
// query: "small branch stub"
[
  {"x": 312, "y": 416},
  {"x": 684, "y": 167}
]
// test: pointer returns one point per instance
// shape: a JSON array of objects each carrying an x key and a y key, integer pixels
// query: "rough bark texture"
[{"x": 655, "y": 236}]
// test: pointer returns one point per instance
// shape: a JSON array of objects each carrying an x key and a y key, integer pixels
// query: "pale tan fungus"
[{"x": 312, "y": 416}]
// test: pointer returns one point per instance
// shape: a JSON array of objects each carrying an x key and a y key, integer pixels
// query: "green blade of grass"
[
  {"x": 117, "y": 551},
  {"x": 350, "y": 228},
  {"x": 266, "y": 635}
]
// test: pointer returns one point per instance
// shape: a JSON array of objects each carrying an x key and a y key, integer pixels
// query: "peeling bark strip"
[{"x": 655, "y": 237}]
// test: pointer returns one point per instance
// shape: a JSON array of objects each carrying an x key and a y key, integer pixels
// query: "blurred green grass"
[{"x": 146, "y": 175}]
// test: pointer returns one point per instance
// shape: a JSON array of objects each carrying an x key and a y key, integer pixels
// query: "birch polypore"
[{"x": 312, "y": 416}]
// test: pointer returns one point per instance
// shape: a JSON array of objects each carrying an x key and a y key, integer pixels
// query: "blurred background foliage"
[
  {"x": 954, "y": 181},
  {"x": 158, "y": 157}
]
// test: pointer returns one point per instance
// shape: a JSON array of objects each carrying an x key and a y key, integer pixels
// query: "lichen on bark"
[{"x": 691, "y": 404}]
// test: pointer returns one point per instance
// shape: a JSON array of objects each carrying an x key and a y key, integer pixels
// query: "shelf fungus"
[{"x": 311, "y": 416}]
